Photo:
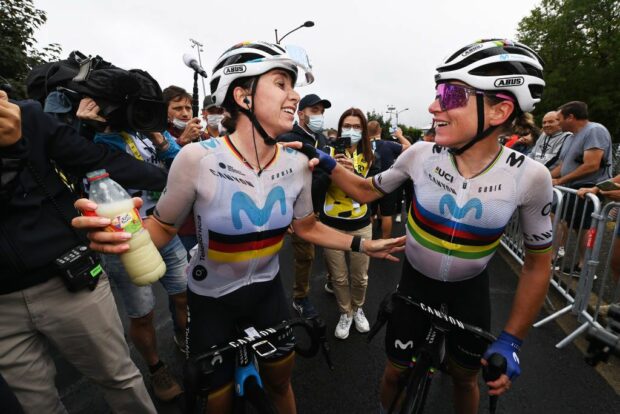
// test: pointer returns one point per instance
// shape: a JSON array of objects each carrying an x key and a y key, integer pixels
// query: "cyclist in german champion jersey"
[
  {"x": 244, "y": 190},
  {"x": 466, "y": 188}
]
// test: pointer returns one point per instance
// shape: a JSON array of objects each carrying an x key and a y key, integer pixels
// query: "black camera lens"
[{"x": 144, "y": 115}]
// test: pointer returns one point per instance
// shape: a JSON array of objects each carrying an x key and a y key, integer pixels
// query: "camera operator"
[
  {"x": 36, "y": 306},
  {"x": 158, "y": 149}
]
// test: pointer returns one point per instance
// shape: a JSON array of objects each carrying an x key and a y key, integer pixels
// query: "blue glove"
[
  {"x": 325, "y": 161},
  {"x": 508, "y": 346}
]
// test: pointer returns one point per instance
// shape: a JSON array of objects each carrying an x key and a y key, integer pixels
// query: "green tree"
[
  {"x": 579, "y": 41},
  {"x": 18, "y": 55}
]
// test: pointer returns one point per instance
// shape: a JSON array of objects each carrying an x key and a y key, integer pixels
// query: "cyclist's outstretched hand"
[
  {"x": 508, "y": 346},
  {"x": 101, "y": 240},
  {"x": 383, "y": 248}
]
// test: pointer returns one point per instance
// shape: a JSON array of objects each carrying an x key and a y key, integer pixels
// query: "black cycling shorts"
[
  {"x": 466, "y": 300},
  {"x": 570, "y": 200},
  {"x": 215, "y": 321}
]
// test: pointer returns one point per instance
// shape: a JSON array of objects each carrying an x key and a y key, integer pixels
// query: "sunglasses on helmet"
[{"x": 453, "y": 96}]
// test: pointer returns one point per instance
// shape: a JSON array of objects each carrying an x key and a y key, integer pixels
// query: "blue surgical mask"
[
  {"x": 315, "y": 123},
  {"x": 354, "y": 134},
  {"x": 178, "y": 124}
]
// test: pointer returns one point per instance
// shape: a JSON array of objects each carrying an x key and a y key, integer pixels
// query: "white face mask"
[
  {"x": 214, "y": 120},
  {"x": 355, "y": 135},
  {"x": 178, "y": 124},
  {"x": 315, "y": 123}
]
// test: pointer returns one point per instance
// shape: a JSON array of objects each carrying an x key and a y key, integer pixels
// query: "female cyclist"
[
  {"x": 466, "y": 188},
  {"x": 244, "y": 190},
  {"x": 347, "y": 215}
]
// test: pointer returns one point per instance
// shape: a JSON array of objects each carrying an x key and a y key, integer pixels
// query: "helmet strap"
[
  {"x": 249, "y": 112},
  {"x": 481, "y": 134}
]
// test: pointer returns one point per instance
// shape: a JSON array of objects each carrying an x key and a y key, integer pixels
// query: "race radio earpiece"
[{"x": 246, "y": 101}]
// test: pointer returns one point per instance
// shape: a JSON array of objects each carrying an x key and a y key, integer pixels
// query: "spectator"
[
  {"x": 585, "y": 160},
  {"x": 181, "y": 125},
  {"x": 386, "y": 152},
  {"x": 139, "y": 301},
  {"x": 36, "y": 306},
  {"x": 308, "y": 130},
  {"x": 548, "y": 146},
  {"x": 524, "y": 134},
  {"x": 347, "y": 215},
  {"x": 214, "y": 115}
]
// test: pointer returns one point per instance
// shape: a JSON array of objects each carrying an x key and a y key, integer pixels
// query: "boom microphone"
[{"x": 192, "y": 63}]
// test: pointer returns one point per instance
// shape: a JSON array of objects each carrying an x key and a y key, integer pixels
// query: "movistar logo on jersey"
[
  {"x": 448, "y": 201},
  {"x": 258, "y": 216},
  {"x": 509, "y": 82},
  {"x": 233, "y": 69}
]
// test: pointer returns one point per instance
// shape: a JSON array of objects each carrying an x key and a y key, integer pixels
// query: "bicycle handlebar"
[{"x": 387, "y": 307}]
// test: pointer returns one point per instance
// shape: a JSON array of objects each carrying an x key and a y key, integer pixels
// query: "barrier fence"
[{"x": 588, "y": 289}]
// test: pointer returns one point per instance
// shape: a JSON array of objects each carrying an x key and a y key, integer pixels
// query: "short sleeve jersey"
[
  {"x": 455, "y": 224},
  {"x": 241, "y": 216},
  {"x": 592, "y": 136}
]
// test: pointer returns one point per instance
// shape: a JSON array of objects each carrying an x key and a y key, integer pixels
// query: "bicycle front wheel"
[{"x": 417, "y": 388}]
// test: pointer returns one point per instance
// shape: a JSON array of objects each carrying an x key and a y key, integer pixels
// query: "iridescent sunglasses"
[{"x": 453, "y": 96}]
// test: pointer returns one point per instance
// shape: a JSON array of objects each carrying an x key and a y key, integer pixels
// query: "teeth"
[
  {"x": 288, "y": 111},
  {"x": 440, "y": 124}
]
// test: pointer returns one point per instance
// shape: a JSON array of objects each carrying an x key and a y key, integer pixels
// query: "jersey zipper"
[{"x": 447, "y": 261}]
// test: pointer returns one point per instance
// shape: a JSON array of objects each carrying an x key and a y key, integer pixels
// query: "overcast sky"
[{"x": 368, "y": 54}]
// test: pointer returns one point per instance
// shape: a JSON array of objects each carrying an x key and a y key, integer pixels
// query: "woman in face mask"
[{"x": 353, "y": 151}]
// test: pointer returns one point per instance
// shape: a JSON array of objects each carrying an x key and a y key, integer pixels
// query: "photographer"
[
  {"x": 181, "y": 125},
  {"x": 36, "y": 306}
]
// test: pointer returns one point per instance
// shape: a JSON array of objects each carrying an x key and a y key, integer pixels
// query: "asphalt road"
[{"x": 553, "y": 381}]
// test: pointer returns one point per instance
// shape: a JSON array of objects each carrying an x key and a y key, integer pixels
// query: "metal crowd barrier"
[{"x": 575, "y": 288}]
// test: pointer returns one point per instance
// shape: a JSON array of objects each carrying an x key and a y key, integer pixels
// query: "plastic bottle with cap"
[{"x": 142, "y": 261}]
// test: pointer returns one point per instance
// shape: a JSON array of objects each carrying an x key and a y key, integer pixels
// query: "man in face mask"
[
  {"x": 181, "y": 125},
  {"x": 214, "y": 115},
  {"x": 308, "y": 130}
]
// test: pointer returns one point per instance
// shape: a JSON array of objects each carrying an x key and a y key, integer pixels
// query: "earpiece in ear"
[{"x": 246, "y": 101}]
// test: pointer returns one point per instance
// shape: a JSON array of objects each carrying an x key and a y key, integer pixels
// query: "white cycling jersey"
[
  {"x": 241, "y": 217},
  {"x": 455, "y": 224}
]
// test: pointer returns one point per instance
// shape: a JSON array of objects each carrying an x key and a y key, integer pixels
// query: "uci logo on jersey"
[
  {"x": 231, "y": 70},
  {"x": 509, "y": 82}
]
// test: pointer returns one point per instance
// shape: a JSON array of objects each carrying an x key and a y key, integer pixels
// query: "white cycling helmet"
[
  {"x": 250, "y": 59},
  {"x": 497, "y": 65}
]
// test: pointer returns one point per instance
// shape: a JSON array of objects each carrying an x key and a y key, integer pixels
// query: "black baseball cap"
[
  {"x": 208, "y": 102},
  {"x": 311, "y": 100}
]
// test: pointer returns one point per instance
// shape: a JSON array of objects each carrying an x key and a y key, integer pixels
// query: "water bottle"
[{"x": 142, "y": 261}]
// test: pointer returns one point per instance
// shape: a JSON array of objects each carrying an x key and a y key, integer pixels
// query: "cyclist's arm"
[
  {"x": 536, "y": 195},
  {"x": 369, "y": 189},
  {"x": 530, "y": 294}
]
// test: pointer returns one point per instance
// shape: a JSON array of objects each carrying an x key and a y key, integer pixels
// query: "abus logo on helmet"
[
  {"x": 508, "y": 82},
  {"x": 230, "y": 70},
  {"x": 471, "y": 50}
]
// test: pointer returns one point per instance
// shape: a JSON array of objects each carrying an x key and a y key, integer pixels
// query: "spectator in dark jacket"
[
  {"x": 309, "y": 130},
  {"x": 35, "y": 229}
]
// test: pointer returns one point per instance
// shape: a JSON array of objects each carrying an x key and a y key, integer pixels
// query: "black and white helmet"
[
  {"x": 497, "y": 65},
  {"x": 249, "y": 59}
]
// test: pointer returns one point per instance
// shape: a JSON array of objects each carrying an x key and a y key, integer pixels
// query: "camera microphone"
[{"x": 192, "y": 63}]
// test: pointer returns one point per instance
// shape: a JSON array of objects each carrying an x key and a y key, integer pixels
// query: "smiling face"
[
  {"x": 275, "y": 102},
  {"x": 455, "y": 127},
  {"x": 551, "y": 123}
]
